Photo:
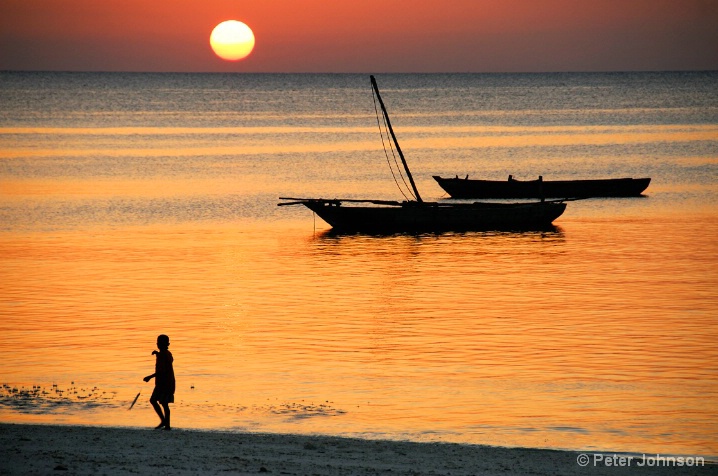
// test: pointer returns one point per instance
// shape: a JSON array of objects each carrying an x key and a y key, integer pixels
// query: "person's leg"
[
  {"x": 166, "y": 421},
  {"x": 158, "y": 410}
]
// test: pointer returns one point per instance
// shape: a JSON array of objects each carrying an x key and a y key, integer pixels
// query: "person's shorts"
[{"x": 162, "y": 396}]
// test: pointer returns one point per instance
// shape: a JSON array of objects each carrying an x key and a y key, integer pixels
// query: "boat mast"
[{"x": 396, "y": 143}]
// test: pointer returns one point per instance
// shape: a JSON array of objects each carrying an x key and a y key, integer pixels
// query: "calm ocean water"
[{"x": 139, "y": 204}]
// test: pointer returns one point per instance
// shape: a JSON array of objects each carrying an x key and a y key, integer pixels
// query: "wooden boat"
[
  {"x": 418, "y": 215},
  {"x": 512, "y": 188},
  {"x": 380, "y": 215}
]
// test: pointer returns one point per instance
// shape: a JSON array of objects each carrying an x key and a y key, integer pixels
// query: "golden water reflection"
[
  {"x": 16, "y": 143},
  {"x": 581, "y": 337}
]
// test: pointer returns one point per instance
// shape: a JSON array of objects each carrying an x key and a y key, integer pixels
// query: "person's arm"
[{"x": 150, "y": 377}]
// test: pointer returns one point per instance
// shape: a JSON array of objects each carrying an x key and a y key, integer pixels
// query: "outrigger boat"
[
  {"x": 512, "y": 188},
  {"x": 417, "y": 215}
]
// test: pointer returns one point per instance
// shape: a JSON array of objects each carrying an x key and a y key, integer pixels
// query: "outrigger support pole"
[{"x": 398, "y": 149}]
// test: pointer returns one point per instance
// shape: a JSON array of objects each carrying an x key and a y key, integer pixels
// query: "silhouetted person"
[{"x": 164, "y": 392}]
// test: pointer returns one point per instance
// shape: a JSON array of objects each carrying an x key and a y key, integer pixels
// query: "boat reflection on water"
[
  {"x": 431, "y": 252},
  {"x": 551, "y": 232}
]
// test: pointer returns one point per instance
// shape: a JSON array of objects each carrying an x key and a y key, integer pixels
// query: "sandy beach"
[{"x": 51, "y": 449}]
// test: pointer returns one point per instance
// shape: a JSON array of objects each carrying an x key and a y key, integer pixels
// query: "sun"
[{"x": 232, "y": 40}]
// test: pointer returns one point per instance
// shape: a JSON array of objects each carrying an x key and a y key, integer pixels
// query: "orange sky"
[{"x": 363, "y": 35}]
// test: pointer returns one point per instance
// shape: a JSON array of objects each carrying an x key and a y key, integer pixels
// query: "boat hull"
[
  {"x": 471, "y": 188},
  {"x": 437, "y": 217}
]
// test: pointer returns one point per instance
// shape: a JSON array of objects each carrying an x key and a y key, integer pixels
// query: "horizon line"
[{"x": 79, "y": 71}]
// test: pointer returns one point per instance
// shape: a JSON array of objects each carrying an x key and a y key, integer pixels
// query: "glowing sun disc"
[{"x": 232, "y": 40}]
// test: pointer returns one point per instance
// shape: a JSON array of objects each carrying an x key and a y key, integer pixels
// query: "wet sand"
[{"x": 53, "y": 449}]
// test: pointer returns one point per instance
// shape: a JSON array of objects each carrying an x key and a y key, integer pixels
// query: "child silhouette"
[{"x": 164, "y": 392}]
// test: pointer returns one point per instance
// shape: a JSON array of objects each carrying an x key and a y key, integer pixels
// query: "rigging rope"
[
  {"x": 396, "y": 162},
  {"x": 388, "y": 161}
]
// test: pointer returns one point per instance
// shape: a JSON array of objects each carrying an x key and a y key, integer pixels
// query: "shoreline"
[{"x": 45, "y": 449}]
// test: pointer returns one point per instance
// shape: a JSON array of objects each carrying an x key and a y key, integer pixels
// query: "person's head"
[{"x": 163, "y": 342}]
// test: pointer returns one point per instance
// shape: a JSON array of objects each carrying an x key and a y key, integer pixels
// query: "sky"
[{"x": 361, "y": 36}]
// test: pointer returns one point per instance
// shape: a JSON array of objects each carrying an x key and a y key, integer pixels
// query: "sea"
[{"x": 133, "y": 205}]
